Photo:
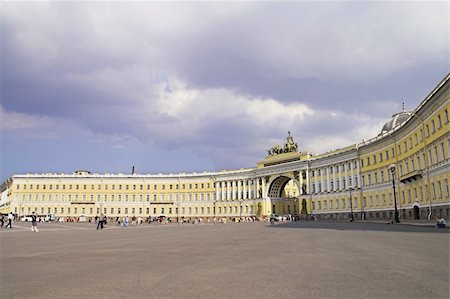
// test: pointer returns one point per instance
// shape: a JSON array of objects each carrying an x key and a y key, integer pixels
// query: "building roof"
[{"x": 397, "y": 119}]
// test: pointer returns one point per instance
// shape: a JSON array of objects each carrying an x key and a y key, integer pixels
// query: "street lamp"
[
  {"x": 392, "y": 169},
  {"x": 295, "y": 211},
  {"x": 240, "y": 211},
  {"x": 351, "y": 204}
]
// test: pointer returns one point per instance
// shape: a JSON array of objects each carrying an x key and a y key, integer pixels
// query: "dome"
[{"x": 396, "y": 120}]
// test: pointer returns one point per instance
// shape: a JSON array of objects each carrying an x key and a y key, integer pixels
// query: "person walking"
[
  {"x": 10, "y": 219},
  {"x": 2, "y": 221},
  {"x": 34, "y": 223},
  {"x": 100, "y": 222}
]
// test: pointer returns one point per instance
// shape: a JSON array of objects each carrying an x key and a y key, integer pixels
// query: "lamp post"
[
  {"x": 351, "y": 204},
  {"x": 295, "y": 211},
  {"x": 392, "y": 169},
  {"x": 214, "y": 210},
  {"x": 240, "y": 210}
]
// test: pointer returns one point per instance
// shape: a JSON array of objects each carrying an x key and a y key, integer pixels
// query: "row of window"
[
  {"x": 407, "y": 144},
  {"x": 407, "y": 195},
  {"x": 113, "y": 187},
  {"x": 133, "y": 211},
  {"x": 334, "y": 169},
  {"x": 341, "y": 184},
  {"x": 436, "y": 154},
  {"x": 115, "y": 197}
]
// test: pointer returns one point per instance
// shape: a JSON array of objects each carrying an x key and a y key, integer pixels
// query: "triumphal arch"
[{"x": 285, "y": 179}]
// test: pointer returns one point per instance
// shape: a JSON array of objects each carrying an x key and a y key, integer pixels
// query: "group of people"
[
  {"x": 101, "y": 221},
  {"x": 8, "y": 218}
]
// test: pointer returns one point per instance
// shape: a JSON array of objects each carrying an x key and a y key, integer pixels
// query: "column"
[
  {"x": 345, "y": 175},
  {"x": 222, "y": 186},
  {"x": 233, "y": 190},
  {"x": 340, "y": 177},
  {"x": 239, "y": 196},
  {"x": 321, "y": 179},
  {"x": 334, "y": 179},
  {"x": 245, "y": 189},
  {"x": 352, "y": 175},
  {"x": 257, "y": 188},
  {"x": 357, "y": 174},
  {"x": 328, "y": 178},
  {"x": 228, "y": 190},
  {"x": 307, "y": 181},
  {"x": 263, "y": 187},
  {"x": 217, "y": 191},
  {"x": 300, "y": 180}
]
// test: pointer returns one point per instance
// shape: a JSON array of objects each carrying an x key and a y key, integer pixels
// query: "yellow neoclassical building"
[{"x": 407, "y": 164}]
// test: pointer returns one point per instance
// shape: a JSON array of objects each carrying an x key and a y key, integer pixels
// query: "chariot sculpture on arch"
[{"x": 289, "y": 147}]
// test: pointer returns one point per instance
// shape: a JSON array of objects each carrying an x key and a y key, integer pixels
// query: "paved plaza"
[{"x": 234, "y": 260}]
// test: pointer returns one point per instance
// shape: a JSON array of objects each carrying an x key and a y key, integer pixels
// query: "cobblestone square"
[{"x": 234, "y": 260}]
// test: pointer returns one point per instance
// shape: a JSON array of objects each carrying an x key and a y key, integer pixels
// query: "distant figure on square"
[
  {"x": 2, "y": 221},
  {"x": 441, "y": 223},
  {"x": 100, "y": 222},
  {"x": 34, "y": 222},
  {"x": 10, "y": 219}
]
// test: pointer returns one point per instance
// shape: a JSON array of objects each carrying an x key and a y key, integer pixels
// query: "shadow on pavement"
[{"x": 363, "y": 226}]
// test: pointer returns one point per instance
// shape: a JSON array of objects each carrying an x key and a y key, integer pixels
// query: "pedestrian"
[
  {"x": 139, "y": 220},
  {"x": 133, "y": 220},
  {"x": 10, "y": 219},
  {"x": 34, "y": 223},
  {"x": 272, "y": 220},
  {"x": 126, "y": 221},
  {"x": 100, "y": 222},
  {"x": 441, "y": 223},
  {"x": 2, "y": 221}
]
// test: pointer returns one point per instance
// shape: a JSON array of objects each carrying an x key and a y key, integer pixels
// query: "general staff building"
[{"x": 410, "y": 156}]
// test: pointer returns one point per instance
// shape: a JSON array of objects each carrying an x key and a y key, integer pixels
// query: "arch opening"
[{"x": 284, "y": 194}]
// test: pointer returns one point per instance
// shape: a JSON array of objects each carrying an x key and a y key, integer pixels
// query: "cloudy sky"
[{"x": 181, "y": 87}]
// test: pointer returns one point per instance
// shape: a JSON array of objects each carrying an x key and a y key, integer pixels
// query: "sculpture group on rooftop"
[{"x": 289, "y": 147}]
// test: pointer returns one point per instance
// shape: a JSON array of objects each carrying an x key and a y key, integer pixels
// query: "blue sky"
[{"x": 203, "y": 86}]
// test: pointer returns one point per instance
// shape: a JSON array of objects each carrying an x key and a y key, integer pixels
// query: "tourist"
[
  {"x": 441, "y": 223},
  {"x": 139, "y": 220},
  {"x": 10, "y": 219},
  {"x": 272, "y": 220},
  {"x": 1, "y": 220},
  {"x": 100, "y": 222},
  {"x": 34, "y": 222}
]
